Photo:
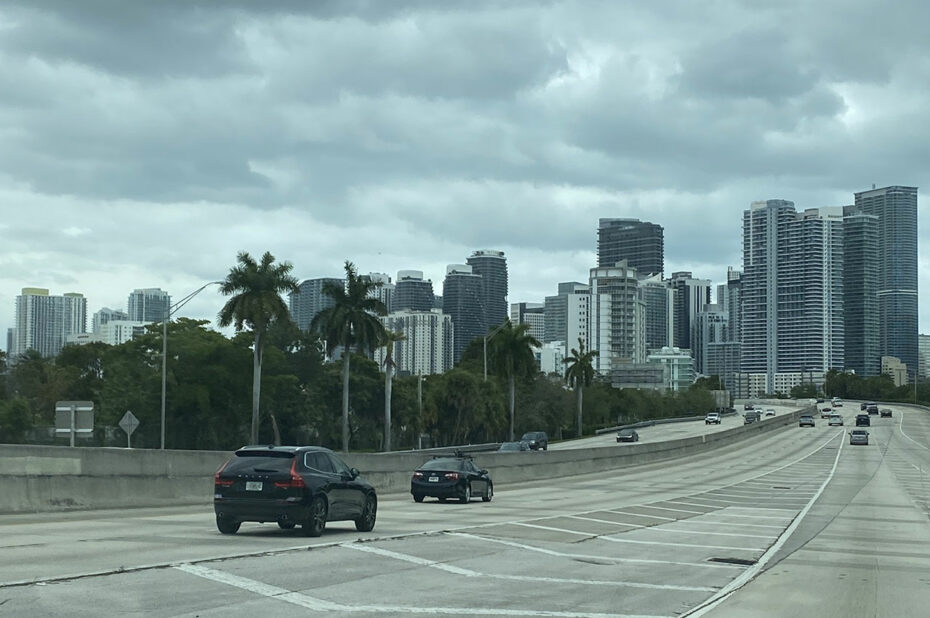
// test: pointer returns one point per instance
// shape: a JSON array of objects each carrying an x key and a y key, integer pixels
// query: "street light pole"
[
  {"x": 486, "y": 338},
  {"x": 169, "y": 311}
]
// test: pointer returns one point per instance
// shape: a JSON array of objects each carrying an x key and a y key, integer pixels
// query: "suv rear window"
[
  {"x": 276, "y": 463},
  {"x": 445, "y": 463}
]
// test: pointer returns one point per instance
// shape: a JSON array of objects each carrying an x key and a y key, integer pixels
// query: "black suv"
[
  {"x": 538, "y": 440},
  {"x": 451, "y": 476},
  {"x": 291, "y": 485},
  {"x": 863, "y": 420}
]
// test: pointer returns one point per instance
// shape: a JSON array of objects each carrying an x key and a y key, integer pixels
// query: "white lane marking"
[
  {"x": 676, "y": 510},
  {"x": 746, "y": 576},
  {"x": 610, "y": 559},
  {"x": 903, "y": 433},
  {"x": 637, "y": 542},
  {"x": 260, "y": 588},
  {"x": 640, "y": 515},
  {"x": 605, "y": 521},
  {"x": 412, "y": 559},
  {"x": 718, "y": 522},
  {"x": 525, "y": 578},
  {"x": 526, "y": 525},
  {"x": 308, "y": 602},
  {"x": 766, "y": 508},
  {"x": 704, "y": 532}
]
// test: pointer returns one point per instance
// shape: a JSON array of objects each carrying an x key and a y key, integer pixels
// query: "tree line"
[{"x": 294, "y": 394}]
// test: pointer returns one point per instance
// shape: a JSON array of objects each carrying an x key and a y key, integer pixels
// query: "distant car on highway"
[
  {"x": 835, "y": 419},
  {"x": 837, "y": 402},
  {"x": 872, "y": 409},
  {"x": 627, "y": 435},
  {"x": 806, "y": 420},
  {"x": 859, "y": 436},
  {"x": 291, "y": 485},
  {"x": 748, "y": 406},
  {"x": 538, "y": 440},
  {"x": 826, "y": 412},
  {"x": 885, "y": 412},
  {"x": 863, "y": 405},
  {"x": 712, "y": 418},
  {"x": 863, "y": 420},
  {"x": 451, "y": 476},
  {"x": 752, "y": 416},
  {"x": 513, "y": 447},
  {"x": 770, "y": 412}
]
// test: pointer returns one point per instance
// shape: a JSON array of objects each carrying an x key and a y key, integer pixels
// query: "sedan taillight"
[
  {"x": 452, "y": 476},
  {"x": 417, "y": 475}
]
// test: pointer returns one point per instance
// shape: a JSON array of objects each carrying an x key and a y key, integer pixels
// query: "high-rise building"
[
  {"x": 413, "y": 292},
  {"x": 43, "y": 322},
  {"x": 385, "y": 291},
  {"x": 660, "y": 312},
  {"x": 896, "y": 209},
  {"x": 860, "y": 291},
  {"x": 678, "y": 366},
  {"x": 492, "y": 267},
  {"x": 308, "y": 300},
  {"x": 533, "y": 314},
  {"x": 792, "y": 295},
  {"x": 617, "y": 317},
  {"x": 148, "y": 305},
  {"x": 711, "y": 325},
  {"x": 923, "y": 353},
  {"x": 462, "y": 295},
  {"x": 640, "y": 243},
  {"x": 106, "y": 315},
  {"x": 691, "y": 295},
  {"x": 428, "y": 345},
  {"x": 567, "y": 313}
]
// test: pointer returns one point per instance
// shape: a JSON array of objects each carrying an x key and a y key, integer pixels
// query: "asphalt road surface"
[{"x": 790, "y": 523}]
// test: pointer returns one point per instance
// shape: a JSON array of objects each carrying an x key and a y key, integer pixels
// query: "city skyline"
[{"x": 408, "y": 135}]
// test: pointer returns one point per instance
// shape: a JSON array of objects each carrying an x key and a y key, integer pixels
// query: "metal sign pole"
[{"x": 73, "y": 428}]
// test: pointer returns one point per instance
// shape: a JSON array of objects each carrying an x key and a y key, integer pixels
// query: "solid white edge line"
[
  {"x": 746, "y": 576},
  {"x": 901, "y": 427}
]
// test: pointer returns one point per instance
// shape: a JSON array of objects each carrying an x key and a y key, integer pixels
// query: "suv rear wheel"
[
  {"x": 227, "y": 526},
  {"x": 317, "y": 518},
  {"x": 366, "y": 522}
]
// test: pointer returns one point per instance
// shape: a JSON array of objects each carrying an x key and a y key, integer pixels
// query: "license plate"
[
  {"x": 434, "y": 479},
  {"x": 253, "y": 485}
]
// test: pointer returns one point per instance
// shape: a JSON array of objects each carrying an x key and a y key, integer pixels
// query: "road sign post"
[
  {"x": 128, "y": 423},
  {"x": 74, "y": 418}
]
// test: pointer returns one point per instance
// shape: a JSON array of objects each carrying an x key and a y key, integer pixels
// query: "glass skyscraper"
[
  {"x": 640, "y": 243},
  {"x": 896, "y": 209}
]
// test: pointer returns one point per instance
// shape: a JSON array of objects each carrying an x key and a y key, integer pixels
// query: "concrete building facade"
[
  {"x": 640, "y": 243},
  {"x": 148, "y": 305},
  {"x": 43, "y": 322},
  {"x": 413, "y": 292},
  {"x": 427, "y": 347}
]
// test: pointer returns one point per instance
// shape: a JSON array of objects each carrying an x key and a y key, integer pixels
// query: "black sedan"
[
  {"x": 291, "y": 485},
  {"x": 627, "y": 435},
  {"x": 451, "y": 476}
]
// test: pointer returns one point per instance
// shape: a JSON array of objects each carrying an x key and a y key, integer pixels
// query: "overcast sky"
[{"x": 143, "y": 144}]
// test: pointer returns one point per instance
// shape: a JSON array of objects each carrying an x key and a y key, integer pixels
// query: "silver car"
[
  {"x": 835, "y": 419},
  {"x": 859, "y": 436}
]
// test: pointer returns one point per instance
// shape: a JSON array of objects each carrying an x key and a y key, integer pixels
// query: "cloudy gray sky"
[{"x": 144, "y": 144}]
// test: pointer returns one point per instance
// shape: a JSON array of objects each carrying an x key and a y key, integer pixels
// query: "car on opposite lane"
[
  {"x": 513, "y": 447},
  {"x": 806, "y": 420},
  {"x": 712, "y": 418},
  {"x": 627, "y": 435},
  {"x": 770, "y": 412},
  {"x": 291, "y": 485},
  {"x": 451, "y": 476},
  {"x": 538, "y": 440}
]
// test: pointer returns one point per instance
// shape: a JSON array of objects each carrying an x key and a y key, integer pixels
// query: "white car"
[
  {"x": 712, "y": 418},
  {"x": 770, "y": 412},
  {"x": 835, "y": 419}
]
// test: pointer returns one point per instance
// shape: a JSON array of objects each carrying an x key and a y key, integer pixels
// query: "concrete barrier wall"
[{"x": 49, "y": 478}]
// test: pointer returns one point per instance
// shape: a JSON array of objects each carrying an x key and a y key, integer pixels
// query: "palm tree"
[
  {"x": 256, "y": 303},
  {"x": 511, "y": 354},
  {"x": 351, "y": 322},
  {"x": 390, "y": 338},
  {"x": 579, "y": 373}
]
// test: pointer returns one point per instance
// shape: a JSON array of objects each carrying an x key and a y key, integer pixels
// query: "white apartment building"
[
  {"x": 427, "y": 348},
  {"x": 43, "y": 322},
  {"x": 678, "y": 367},
  {"x": 617, "y": 317}
]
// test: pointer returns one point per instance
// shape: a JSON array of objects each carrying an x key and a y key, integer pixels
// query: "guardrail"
[{"x": 50, "y": 478}]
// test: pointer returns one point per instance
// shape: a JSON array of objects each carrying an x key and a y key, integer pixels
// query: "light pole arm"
[{"x": 169, "y": 311}]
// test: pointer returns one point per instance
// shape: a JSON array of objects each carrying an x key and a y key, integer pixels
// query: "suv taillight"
[
  {"x": 295, "y": 482},
  {"x": 218, "y": 482},
  {"x": 417, "y": 475}
]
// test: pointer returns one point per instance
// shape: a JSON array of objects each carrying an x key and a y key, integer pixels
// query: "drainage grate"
[
  {"x": 738, "y": 561},
  {"x": 780, "y": 487}
]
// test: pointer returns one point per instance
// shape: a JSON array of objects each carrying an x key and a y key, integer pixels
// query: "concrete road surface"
[{"x": 789, "y": 523}]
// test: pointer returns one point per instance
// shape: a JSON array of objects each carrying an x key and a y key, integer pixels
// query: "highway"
[{"x": 790, "y": 523}]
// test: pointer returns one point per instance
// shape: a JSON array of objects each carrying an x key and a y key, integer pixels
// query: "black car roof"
[{"x": 266, "y": 448}]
